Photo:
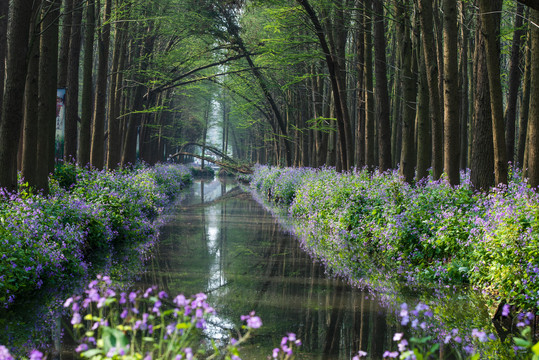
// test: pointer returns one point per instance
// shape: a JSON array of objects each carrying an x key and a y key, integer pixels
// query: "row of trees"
[{"x": 420, "y": 84}]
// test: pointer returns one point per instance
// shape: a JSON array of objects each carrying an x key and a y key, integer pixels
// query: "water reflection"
[{"x": 225, "y": 244}]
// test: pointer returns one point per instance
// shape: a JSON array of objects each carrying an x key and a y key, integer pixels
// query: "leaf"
[
  {"x": 91, "y": 353},
  {"x": 113, "y": 338},
  {"x": 475, "y": 357},
  {"x": 521, "y": 342},
  {"x": 535, "y": 348}
]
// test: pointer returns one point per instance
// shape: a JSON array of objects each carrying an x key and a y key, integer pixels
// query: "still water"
[{"x": 222, "y": 242}]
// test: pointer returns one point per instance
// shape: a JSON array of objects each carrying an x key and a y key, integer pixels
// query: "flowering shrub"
[
  {"x": 149, "y": 325},
  {"x": 49, "y": 238},
  {"x": 429, "y": 231}
]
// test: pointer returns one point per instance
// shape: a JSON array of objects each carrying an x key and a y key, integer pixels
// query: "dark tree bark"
[
  {"x": 514, "y": 84},
  {"x": 48, "y": 67},
  {"x": 533, "y": 121},
  {"x": 451, "y": 93},
  {"x": 490, "y": 21},
  {"x": 429, "y": 46},
  {"x": 525, "y": 106},
  {"x": 4, "y": 5},
  {"x": 72, "y": 91},
  {"x": 370, "y": 161},
  {"x": 83, "y": 152},
  {"x": 30, "y": 127},
  {"x": 97, "y": 152},
  {"x": 382, "y": 105},
  {"x": 19, "y": 16},
  {"x": 409, "y": 88},
  {"x": 424, "y": 137},
  {"x": 482, "y": 161},
  {"x": 463, "y": 87},
  {"x": 63, "y": 57},
  {"x": 114, "y": 149}
]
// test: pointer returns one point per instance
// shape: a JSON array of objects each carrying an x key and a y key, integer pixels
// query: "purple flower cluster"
[
  {"x": 286, "y": 350},
  {"x": 48, "y": 237},
  {"x": 253, "y": 322}
]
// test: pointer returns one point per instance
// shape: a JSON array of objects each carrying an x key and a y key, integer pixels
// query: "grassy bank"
[
  {"x": 47, "y": 240},
  {"x": 423, "y": 233}
]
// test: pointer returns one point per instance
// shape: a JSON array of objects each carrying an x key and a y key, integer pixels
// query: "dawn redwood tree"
[
  {"x": 409, "y": 89},
  {"x": 514, "y": 84},
  {"x": 4, "y": 5},
  {"x": 83, "y": 153},
  {"x": 18, "y": 29},
  {"x": 482, "y": 157},
  {"x": 382, "y": 96},
  {"x": 490, "y": 21},
  {"x": 533, "y": 121},
  {"x": 431, "y": 63},
  {"x": 451, "y": 93},
  {"x": 72, "y": 93},
  {"x": 97, "y": 150},
  {"x": 370, "y": 120},
  {"x": 48, "y": 66}
]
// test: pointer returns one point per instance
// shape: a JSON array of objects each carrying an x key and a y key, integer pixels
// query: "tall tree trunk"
[
  {"x": 4, "y": 6},
  {"x": 97, "y": 152},
  {"x": 463, "y": 87},
  {"x": 409, "y": 88},
  {"x": 370, "y": 161},
  {"x": 382, "y": 108},
  {"x": 72, "y": 91},
  {"x": 114, "y": 150},
  {"x": 20, "y": 13},
  {"x": 343, "y": 122},
  {"x": 48, "y": 67},
  {"x": 525, "y": 106},
  {"x": 431, "y": 63},
  {"x": 533, "y": 121},
  {"x": 30, "y": 127},
  {"x": 63, "y": 56},
  {"x": 514, "y": 84},
  {"x": 482, "y": 161},
  {"x": 360, "y": 53},
  {"x": 424, "y": 137},
  {"x": 451, "y": 93},
  {"x": 87, "y": 87},
  {"x": 490, "y": 20}
]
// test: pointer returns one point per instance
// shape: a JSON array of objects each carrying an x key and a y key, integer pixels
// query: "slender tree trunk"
[
  {"x": 424, "y": 137},
  {"x": 463, "y": 87},
  {"x": 360, "y": 122},
  {"x": 4, "y": 6},
  {"x": 114, "y": 150},
  {"x": 97, "y": 152},
  {"x": 382, "y": 109},
  {"x": 514, "y": 84},
  {"x": 63, "y": 56},
  {"x": 490, "y": 20},
  {"x": 451, "y": 94},
  {"x": 20, "y": 13},
  {"x": 30, "y": 128},
  {"x": 533, "y": 121},
  {"x": 87, "y": 87},
  {"x": 72, "y": 92},
  {"x": 369, "y": 87},
  {"x": 429, "y": 46},
  {"x": 48, "y": 67},
  {"x": 409, "y": 88},
  {"x": 525, "y": 106}
]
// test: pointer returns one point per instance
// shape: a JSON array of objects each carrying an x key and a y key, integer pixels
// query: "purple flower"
[
  {"x": 389, "y": 354},
  {"x": 76, "y": 319},
  {"x": 81, "y": 348},
  {"x": 254, "y": 322},
  {"x": 36, "y": 355},
  {"x": 4, "y": 353},
  {"x": 360, "y": 354}
]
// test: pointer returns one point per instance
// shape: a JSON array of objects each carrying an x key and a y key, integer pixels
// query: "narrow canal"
[{"x": 222, "y": 242}]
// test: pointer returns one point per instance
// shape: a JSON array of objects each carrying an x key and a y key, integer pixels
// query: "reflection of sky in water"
[{"x": 218, "y": 327}]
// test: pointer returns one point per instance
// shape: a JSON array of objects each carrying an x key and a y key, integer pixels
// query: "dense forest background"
[{"x": 443, "y": 85}]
